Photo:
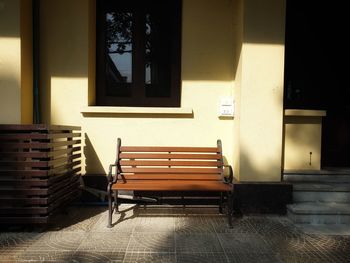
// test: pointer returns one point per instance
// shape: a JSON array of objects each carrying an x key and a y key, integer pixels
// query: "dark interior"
[{"x": 315, "y": 71}]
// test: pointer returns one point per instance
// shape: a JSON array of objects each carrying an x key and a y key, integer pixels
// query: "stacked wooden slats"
[{"x": 39, "y": 171}]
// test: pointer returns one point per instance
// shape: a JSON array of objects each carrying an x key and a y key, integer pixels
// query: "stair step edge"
[
  {"x": 319, "y": 187},
  {"x": 320, "y": 208}
]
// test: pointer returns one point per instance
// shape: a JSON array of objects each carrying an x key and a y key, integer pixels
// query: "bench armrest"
[
  {"x": 228, "y": 179},
  {"x": 113, "y": 179},
  {"x": 110, "y": 177}
]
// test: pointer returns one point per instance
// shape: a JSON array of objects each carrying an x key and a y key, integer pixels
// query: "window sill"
[
  {"x": 305, "y": 113},
  {"x": 102, "y": 111}
]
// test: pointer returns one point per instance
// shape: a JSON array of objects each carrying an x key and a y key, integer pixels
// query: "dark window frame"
[{"x": 138, "y": 97}]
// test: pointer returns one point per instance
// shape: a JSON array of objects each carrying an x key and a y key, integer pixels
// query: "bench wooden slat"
[
  {"x": 169, "y": 156},
  {"x": 173, "y": 185},
  {"x": 170, "y": 163},
  {"x": 208, "y": 177},
  {"x": 173, "y": 170},
  {"x": 168, "y": 149}
]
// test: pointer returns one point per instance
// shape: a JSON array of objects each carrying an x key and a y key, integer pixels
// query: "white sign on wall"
[{"x": 226, "y": 107}]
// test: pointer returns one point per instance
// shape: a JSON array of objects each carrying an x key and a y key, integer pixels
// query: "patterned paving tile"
[
  {"x": 76, "y": 219},
  {"x": 240, "y": 225},
  {"x": 135, "y": 257},
  {"x": 56, "y": 241},
  {"x": 193, "y": 224},
  {"x": 196, "y": 210},
  {"x": 12, "y": 244},
  {"x": 337, "y": 257},
  {"x": 155, "y": 224},
  {"x": 179, "y": 210},
  {"x": 95, "y": 257},
  {"x": 153, "y": 235},
  {"x": 330, "y": 244},
  {"x": 197, "y": 243},
  {"x": 152, "y": 242},
  {"x": 17, "y": 240},
  {"x": 270, "y": 228},
  {"x": 45, "y": 256},
  {"x": 313, "y": 258},
  {"x": 253, "y": 258},
  {"x": 285, "y": 244},
  {"x": 9, "y": 257},
  {"x": 121, "y": 222},
  {"x": 154, "y": 211},
  {"x": 64, "y": 256},
  {"x": 244, "y": 244},
  {"x": 201, "y": 258},
  {"x": 104, "y": 242}
]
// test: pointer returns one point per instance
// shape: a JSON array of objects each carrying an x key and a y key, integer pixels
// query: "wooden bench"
[{"x": 151, "y": 168}]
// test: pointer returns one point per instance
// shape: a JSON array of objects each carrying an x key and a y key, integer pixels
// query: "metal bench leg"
[
  {"x": 116, "y": 203},
  {"x": 221, "y": 202},
  {"x": 110, "y": 210},
  {"x": 229, "y": 208}
]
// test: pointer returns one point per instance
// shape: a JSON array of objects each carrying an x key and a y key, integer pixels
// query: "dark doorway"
[{"x": 315, "y": 71}]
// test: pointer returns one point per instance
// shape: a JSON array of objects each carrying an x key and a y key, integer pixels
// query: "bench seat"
[{"x": 172, "y": 185}]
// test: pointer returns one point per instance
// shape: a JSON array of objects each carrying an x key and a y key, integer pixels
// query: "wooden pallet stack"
[{"x": 39, "y": 171}]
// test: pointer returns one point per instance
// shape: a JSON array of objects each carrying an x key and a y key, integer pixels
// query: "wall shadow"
[
  {"x": 264, "y": 21},
  {"x": 10, "y": 96},
  {"x": 255, "y": 197},
  {"x": 9, "y": 23},
  {"x": 95, "y": 179},
  {"x": 207, "y": 40}
]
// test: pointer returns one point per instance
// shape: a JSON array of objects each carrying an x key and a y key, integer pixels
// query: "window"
[{"x": 138, "y": 53}]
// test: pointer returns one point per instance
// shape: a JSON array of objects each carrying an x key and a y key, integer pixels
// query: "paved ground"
[{"x": 172, "y": 235}]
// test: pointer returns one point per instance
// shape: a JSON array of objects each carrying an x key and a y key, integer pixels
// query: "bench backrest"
[{"x": 182, "y": 163}]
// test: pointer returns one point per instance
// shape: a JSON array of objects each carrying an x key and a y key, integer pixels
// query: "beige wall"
[
  {"x": 207, "y": 74},
  {"x": 16, "y": 80},
  {"x": 237, "y": 62},
  {"x": 302, "y": 139},
  {"x": 26, "y": 62},
  {"x": 259, "y": 91},
  {"x": 63, "y": 60},
  {"x": 229, "y": 48},
  {"x": 10, "y": 62}
]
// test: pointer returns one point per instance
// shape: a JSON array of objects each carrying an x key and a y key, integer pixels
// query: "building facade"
[{"x": 229, "y": 50}]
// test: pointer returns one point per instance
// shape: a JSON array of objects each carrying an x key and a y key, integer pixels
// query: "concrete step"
[
  {"x": 320, "y": 197},
  {"x": 339, "y": 197},
  {"x": 316, "y": 178},
  {"x": 322, "y": 187},
  {"x": 321, "y": 192},
  {"x": 319, "y": 213}
]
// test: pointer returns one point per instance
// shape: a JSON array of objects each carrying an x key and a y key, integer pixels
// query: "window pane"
[
  {"x": 148, "y": 49},
  {"x": 119, "y": 53},
  {"x": 157, "y": 66}
]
